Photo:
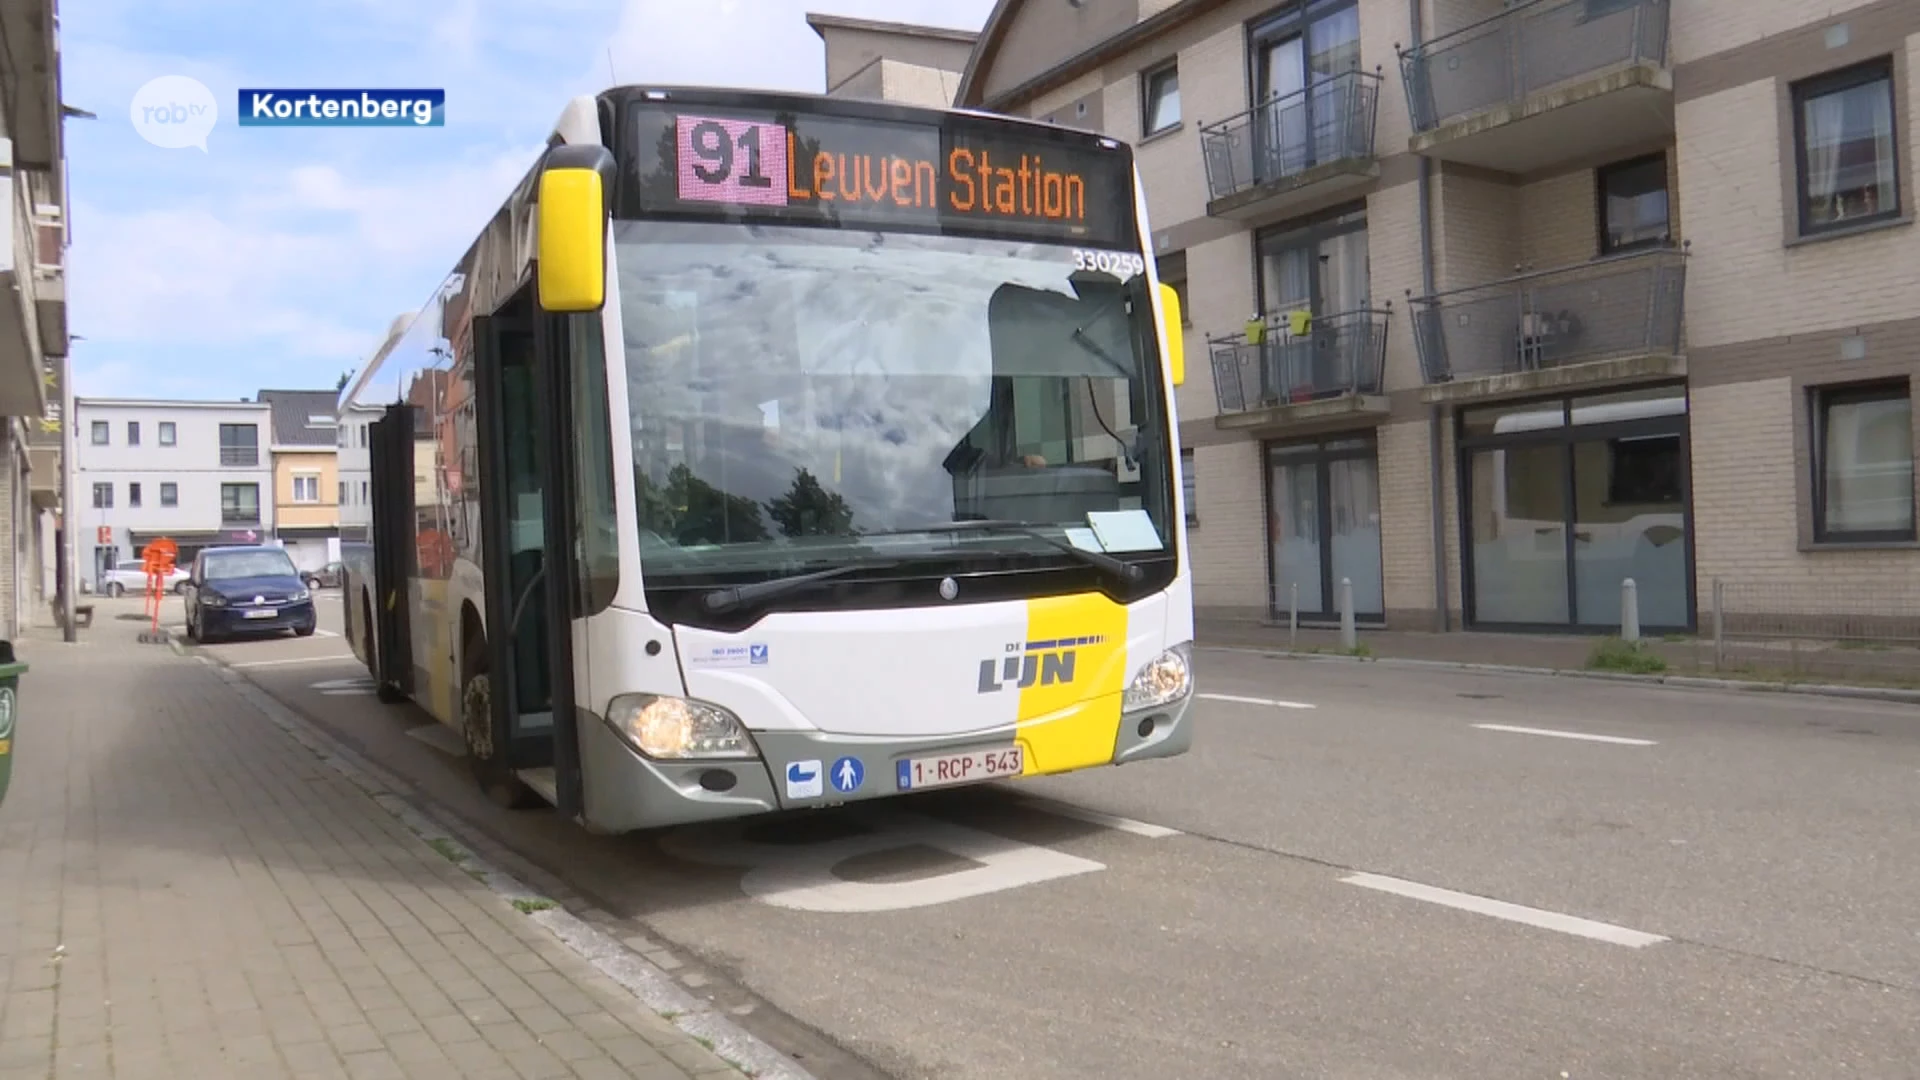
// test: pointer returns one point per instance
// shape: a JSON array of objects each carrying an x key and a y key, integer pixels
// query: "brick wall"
[
  {"x": 1743, "y": 282},
  {"x": 1220, "y": 292},
  {"x": 1703, "y": 27},
  {"x": 1475, "y": 232},
  {"x": 1229, "y": 545},
  {"x": 1406, "y": 518},
  {"x": 1559, "y": 220},
  {"x": 1393, "y": 265}
]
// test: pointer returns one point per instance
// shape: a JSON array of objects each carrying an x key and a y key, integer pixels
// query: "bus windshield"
[{"x": 795, "y": 391}]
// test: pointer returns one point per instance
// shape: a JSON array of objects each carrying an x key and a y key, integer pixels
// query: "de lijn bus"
[{"x": 774, "y": 451}]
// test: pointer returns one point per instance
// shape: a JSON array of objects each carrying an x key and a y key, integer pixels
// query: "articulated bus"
[{"x": 774, "y": 451}]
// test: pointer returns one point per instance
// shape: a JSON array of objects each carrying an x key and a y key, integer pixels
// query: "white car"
[{"x": 131, "y": 577}]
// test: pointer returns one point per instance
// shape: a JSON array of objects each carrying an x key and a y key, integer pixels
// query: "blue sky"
[{"x": 279, "y": 257}]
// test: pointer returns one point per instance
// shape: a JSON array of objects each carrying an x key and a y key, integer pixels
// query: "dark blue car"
[{"x": 246, "y": 590}]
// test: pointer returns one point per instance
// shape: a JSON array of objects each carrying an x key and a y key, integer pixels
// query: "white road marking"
[
  {"x": 359, "y": 687},
  {"x": 1273, "y": 702},
  {"x": 1095, "y": 817},
  {"x": 1567, "y": 735},
  {"x": 1500, "y": 909},
  {"x": 317, "y": 632},
  {"x": 296, "y": 660}
]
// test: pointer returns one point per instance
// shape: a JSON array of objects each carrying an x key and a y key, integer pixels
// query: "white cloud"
[{"x": 276, "y": 248}]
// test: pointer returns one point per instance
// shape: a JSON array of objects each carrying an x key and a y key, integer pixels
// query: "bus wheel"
[{"x": 491, "y": 772}]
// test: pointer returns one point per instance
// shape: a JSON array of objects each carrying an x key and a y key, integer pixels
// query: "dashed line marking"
[
  {"x": 1271, "y": 702},
  {"x": 1500, "y": 909},
  {"x": 1581, "y": 735},
  {"x": 1096, "y": 817}
]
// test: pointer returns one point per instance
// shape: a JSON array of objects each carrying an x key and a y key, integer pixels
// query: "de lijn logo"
[
  {"x": 174, "y": 112},
  {"x": 343, "y": 108},
  {"x": 1026, "y": 663}
]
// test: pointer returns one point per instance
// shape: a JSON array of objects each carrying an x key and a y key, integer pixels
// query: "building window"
[
  {"x": 99, "y": 433},
  {"x": 343, "y": 493},
  {"x": 103, "y": 496},
  {"x": 1863, "y": 463},
  {"x": 306, "y": 488},
  {"x": 169, "y": 494},
  {"x": 133, "y": 433},
  {"x": 166, "y": 433},
  {"x": 363, "y": 493},
  {"x": 239, "y": 503},
  {"x": 239, "y": 444},
  {"x": 1188, "y": 489},
  {"x": 1844, "y": 142},
  {"x": 1173, "y": 273},
  {"x": 133, "y": 495},
  {"x": 1159, "y": 100},
  {"x": 1633, "y": 204}
]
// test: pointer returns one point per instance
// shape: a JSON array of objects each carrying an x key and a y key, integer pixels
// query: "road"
[{"x": 1360, "y": 871}]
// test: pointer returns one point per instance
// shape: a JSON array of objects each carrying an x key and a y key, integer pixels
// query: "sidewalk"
[
  {"x": 1778, "y": 662},
  {"x": 185, "y": 891}
]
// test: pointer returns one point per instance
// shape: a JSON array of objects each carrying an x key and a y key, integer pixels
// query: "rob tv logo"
[{"x": 174, "y": 112}]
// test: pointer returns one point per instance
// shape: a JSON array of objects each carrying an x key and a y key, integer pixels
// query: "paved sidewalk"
[{"x": 187, "y": 892}]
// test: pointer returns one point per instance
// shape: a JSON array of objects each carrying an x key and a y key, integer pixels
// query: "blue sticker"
[
  {"x": 847, "y": 774},
  {"x": 803, "y": 780},
  {"x": 757, "y": 653}
]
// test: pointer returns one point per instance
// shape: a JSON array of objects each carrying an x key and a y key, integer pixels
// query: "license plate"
[
  {"x": 971, "y": 767},
  {"x": 265, "y": 613}
]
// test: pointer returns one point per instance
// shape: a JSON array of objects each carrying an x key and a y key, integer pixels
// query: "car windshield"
[
  {"x": 793, "y": 389},
  {"x": 244, "y": 564}
]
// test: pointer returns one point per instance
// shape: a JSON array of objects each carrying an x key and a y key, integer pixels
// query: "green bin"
[{"x": 10, "y": 672}]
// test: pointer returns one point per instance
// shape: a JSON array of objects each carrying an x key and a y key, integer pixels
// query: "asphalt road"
[{"x": 1717, "y": 885}]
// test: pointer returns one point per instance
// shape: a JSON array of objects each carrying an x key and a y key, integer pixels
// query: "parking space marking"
[
  {"x": 296, "y": 660},
  {"x": 1581, "y": 735},
  {"x": 1271, "y": 702},
  {"x": 1095, "y": 817},
  {"x": 1500, "y": 909}
]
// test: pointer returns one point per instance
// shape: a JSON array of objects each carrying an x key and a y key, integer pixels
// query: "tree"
[
  {"x": 345, "y": 377},
  {"x": 809, "y": 509},
  {"x": 692, "y": 511}
]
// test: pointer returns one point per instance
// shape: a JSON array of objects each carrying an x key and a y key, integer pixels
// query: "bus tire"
[{"x": 496, "y": 781}]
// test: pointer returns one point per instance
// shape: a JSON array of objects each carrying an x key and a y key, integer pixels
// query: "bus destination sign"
[{"x": 864, "y": 173}]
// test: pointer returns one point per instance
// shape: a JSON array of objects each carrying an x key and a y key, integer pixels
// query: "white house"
[
  {"x": 356, "y": 470},
  {"x": 197, "y": 472}
]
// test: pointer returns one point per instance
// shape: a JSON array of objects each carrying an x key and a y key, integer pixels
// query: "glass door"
[
  {"x": 1324, "y": 505},
  {"x": 1282, "y": 75},
  {"x": 1306, "y": 117}
]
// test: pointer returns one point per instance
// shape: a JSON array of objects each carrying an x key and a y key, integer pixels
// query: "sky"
[{"x": 277, "y": 258}]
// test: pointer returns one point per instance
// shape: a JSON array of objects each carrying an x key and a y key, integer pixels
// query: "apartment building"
[
  {"x": 197, "y": 472},
  {"x": 889, "y": 61},
  {"x": 307, "y": 490},
  {"x": 33, "y": 309},
  {"x": 1451, "y": 340}
]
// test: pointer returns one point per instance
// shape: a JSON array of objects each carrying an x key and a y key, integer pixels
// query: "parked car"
[
  {"x": 131, "y": 576},
  {"x": 246, "y": 590},
  {"x": 327, "y": 577}
]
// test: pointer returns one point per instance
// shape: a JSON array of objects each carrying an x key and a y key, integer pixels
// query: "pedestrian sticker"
[
  {"x": 803, "y": 780},
  {"x": 847, "y": 774}
]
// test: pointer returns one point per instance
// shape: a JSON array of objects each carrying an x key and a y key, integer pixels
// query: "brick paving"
[{"x": 185, "y": 891}]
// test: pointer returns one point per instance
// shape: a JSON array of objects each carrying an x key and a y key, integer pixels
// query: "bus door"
[
  {"x": 520, "y": 401},
  {"x": 390, "y": 442}
]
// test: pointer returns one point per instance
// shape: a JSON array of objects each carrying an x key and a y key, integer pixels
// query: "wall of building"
[{"x": 289, "y": 512}]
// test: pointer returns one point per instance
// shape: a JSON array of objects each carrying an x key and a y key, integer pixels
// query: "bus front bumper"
[{"x": 625, "y": 790}]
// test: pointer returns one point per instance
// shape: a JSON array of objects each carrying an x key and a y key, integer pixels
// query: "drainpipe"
[{"x": 1435, "y": 414}]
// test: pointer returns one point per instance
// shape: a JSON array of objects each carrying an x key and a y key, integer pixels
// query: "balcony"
[
  {"x": 240, "y": 456},
  {"x": 1294, "y": 153},
  {"x": 1329, "y": 374},
  {"x": 1610, "y": 320},
  {"x": 1546, "y": 81}
]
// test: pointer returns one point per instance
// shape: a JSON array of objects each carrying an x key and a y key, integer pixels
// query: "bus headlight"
[
  {"x": 672, "y": 728},
  {"x": 1168, "y": 678}
]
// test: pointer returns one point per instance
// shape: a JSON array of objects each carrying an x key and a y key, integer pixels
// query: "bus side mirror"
[
  {"x": 1176, "y": 338},
  {"x": 571, "y": 228}
]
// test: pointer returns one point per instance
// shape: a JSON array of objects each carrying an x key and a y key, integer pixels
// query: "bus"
[{"x": 769, "y": 451}]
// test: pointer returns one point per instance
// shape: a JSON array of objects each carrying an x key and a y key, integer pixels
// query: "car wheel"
[
  {"x": 303, "y": 631},
  {"x": 180, "y": 589},
  {"x": 115, "y": 589}
]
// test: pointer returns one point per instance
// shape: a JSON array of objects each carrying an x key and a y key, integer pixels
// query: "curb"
[
  {"x": 653, "y": 988},
  {"x": 1688, "y": 682}
]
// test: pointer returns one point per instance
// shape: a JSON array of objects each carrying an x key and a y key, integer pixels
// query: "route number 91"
[{"x": 1123, "y": 264}]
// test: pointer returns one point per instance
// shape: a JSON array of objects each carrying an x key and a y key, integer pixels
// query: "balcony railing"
[
  {"x": 1339, "y": 355},
  {"x": 1529, "y": 48},
  {"x": 248, "y": 456},
  {"x": 1608, "y": 309},
  {"x": 1329, "y": 121}
]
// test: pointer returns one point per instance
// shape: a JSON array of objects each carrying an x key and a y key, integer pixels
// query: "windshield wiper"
[
  {"x": 738, "y": 595},
  {"x": 1120, "y": 568}
]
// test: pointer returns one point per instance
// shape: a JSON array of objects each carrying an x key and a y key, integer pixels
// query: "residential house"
[{"x": 306, "y": 482}]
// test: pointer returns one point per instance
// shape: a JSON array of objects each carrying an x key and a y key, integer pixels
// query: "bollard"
[
  {"x": 1293, "y": 618},
  {"x": 1629, "y": 611},
  {"x": 1719, "y": 627},
  {"x": 1349, "y": 639}
]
